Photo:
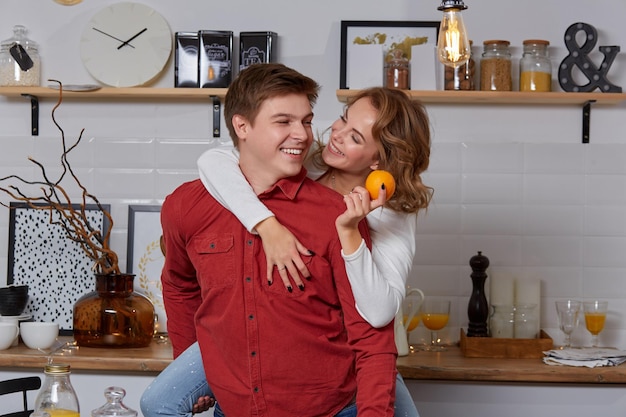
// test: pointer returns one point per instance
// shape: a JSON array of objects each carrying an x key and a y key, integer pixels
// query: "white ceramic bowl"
[
  {"x": 39, "y": 335},
  {"x": 8, "y": 333}
]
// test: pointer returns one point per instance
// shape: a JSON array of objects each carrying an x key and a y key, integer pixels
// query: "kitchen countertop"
[{"x": 450, "y": 365}]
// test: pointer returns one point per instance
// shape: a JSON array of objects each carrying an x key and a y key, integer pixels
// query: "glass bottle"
[
  {"x": 19, "y": 60},
  {"x": 461, "y": 77},
  {"x": 495, "y": 66},
  {"x": 57, "y": 397},
  {"x": 535, "y": 67},
  {"x": 114, "y": 406},
  {"x": 397, "y": 70},
  {"x": 114, "y": 315}
]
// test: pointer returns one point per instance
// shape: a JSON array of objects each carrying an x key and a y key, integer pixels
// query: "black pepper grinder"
[{"x": 478, "y": 309}]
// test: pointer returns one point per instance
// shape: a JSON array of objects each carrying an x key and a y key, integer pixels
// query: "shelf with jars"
[
  {"x": 211, "y": 95},
  {"x": 511, "y": 97}
]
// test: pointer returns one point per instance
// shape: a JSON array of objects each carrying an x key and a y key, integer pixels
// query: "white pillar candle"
[
  {"x": 528, "y": 291},
  {"x": 502, "y": 290}
]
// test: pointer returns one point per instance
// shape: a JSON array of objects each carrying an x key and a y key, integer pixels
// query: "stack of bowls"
[{"x": 13, "y": 300}]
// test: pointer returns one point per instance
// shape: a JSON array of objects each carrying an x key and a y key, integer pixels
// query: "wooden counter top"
[
  {"x": 451, "y": 365},
  {"x": 437, "y": 366},
  {"x": 153, "y": 358}
]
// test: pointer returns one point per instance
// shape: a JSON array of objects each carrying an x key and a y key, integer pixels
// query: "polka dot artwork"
[{"x": 55, "y": 268}]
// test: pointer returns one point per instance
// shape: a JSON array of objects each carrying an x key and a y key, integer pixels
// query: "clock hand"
[
  {"x": 111, "y": 36},
  {"x": 137, "y": 34}
]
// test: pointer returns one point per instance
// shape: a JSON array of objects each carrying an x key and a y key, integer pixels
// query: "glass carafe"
[{"x": 57, "y": 397}]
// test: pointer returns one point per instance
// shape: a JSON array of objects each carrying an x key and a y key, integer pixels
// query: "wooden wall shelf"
[
  {"x": 511, "y": 97},
  {"x": 211, "y": 95},
  {"x": 503, "y": 97}
]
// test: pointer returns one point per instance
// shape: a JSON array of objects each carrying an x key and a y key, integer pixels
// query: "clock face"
[{"x": 126, "y": 45}]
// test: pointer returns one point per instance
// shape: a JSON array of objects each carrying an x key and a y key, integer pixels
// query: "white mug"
[
  {"x": 39, "y": 335},
  {"x": 8, "y": 333}
]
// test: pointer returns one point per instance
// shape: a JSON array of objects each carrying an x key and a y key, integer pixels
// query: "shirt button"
[
  {"x": 249, "y": 242},
  {"x": 251, "y": 317},
  {"x": 256, "y": 389},
  {"x": 253, "y": 354},
  {"x": 248, "y": 279}
]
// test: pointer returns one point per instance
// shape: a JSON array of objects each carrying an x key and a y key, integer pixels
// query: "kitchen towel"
[{"x": 588, "y": 357}]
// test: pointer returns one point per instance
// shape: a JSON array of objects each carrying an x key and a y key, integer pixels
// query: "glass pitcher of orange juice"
[{"x": 407, "y": 319}]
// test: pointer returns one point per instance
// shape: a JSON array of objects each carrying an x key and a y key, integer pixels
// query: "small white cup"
[
  {"x": 8, "y": 333},
  {"x": 39, "y": 335}
]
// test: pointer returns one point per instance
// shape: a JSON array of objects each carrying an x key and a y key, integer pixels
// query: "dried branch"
[{"x": 56, "y": 201}]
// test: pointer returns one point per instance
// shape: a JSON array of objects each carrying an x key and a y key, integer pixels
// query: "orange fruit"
[{"x": 378, "y": 177}]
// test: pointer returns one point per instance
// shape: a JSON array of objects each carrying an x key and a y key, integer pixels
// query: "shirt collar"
[{"x": 288, "y": 186}]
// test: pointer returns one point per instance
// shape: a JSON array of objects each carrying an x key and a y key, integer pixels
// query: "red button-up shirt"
[{"x": 268, "y": 352}]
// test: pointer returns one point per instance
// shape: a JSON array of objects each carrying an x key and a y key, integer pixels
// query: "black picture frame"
[
  {"x": 57, "y": 271},
  {"x": 144, "y": 256},
  {"x": 394, "y": 32}
]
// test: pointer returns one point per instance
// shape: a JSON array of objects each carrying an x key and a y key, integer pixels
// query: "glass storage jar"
[
  {"x": 57, "y": 397},
  {"x": 535, "y": 67},
  {"x": 502, "y": 321},
  {"x": 525, "y": 321},
  {"x": 495, "y": 66},
  {"x": 461, "y": 77},
  {"x": 19, "y": 60},
  {"x": 397, "y": 70},
  {"x": 114, "y": 406}
]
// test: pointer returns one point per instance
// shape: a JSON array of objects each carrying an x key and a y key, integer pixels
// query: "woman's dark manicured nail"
[
  {"x": 382, "y": 186},
  {"x": 289, "y": 289},
  {"x": 311, "y": 252},
  {"x": 269, "y": 282},
  {"x": 301, "y": 287}
]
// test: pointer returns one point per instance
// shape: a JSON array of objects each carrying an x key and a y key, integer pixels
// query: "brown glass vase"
[{"x": 114, "y": 315}]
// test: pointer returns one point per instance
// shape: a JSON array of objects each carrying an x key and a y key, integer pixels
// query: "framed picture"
[
  {"x": 57, "y": 271},
  {"x": 380, "y": 37},
  {"x": 145, "y": 257}
]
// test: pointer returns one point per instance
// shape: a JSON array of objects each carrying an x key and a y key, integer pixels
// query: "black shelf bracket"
[
  {"x": 587, "y": 120},
  {"x": 217, "y": 108},
  {"x": 34, "y": 114}
]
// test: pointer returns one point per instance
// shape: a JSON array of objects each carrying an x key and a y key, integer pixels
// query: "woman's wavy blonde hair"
[{"x": 402, "y": 134}]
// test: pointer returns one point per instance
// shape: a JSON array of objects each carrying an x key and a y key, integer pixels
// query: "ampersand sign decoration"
[{"x": 578, "y": 58}]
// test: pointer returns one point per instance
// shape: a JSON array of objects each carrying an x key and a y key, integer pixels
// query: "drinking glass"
[
  {"x": 435, "y": 316},
  {"x": 568, "y": 314},
  {"x": 595, "y": 316}
]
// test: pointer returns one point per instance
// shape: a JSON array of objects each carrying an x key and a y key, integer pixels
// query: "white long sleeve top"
[{"x": 378, "y": 277}]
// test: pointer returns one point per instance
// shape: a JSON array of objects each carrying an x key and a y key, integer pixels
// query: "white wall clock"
[{"x": 126, "y": 45}]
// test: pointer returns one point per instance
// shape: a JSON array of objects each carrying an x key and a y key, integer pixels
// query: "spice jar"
[
  {"x": 535, "y": 67},
  {"x": 57, "y": 396},
  {"x": 397, "y": 70},
  {"x": 461, "y": 77},
  {"x": 19, "y": 60},
  {"x": 495, "y": 66}
]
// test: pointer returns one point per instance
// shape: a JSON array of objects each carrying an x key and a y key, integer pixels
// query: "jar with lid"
[
  {"x": 495, "y": 66},
  {"x": 57, "y": 397},
  {"x": 461, "y": 77},
  {"x": 535, "y": 67},
  {"x": 19, "y": 60},
  {"x": 397, "y": 70},
  {"x": 114, "y": 406}
]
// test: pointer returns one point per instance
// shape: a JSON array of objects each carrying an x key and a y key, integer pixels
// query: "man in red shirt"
[{"x": 268, "y": 352}]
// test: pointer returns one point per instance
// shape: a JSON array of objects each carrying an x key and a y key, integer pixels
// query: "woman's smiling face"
[{"x": 351, "y": 146}]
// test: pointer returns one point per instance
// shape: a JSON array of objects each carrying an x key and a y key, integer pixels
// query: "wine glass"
[
  {"x": 435, "y": 316},
  {"x": 568, "y": 314},
  {"x": 595, "y": 316}
]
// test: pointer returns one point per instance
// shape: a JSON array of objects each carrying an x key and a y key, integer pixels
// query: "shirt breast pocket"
[{"x": 214, "y": 259}]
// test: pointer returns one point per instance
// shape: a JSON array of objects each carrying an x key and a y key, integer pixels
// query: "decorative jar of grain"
[
  {"x": 495, "y": 66},
  {"x": 397, "y": 70},
  {"x": 535, "y": 67},
  {"x": 19, "y": 60}
]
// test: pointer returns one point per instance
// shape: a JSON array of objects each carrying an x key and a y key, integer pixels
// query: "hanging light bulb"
[{"x": 453, "y": 47}]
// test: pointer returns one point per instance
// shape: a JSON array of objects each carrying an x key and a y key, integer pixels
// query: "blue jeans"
[{"x": 174, "y": 392}]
